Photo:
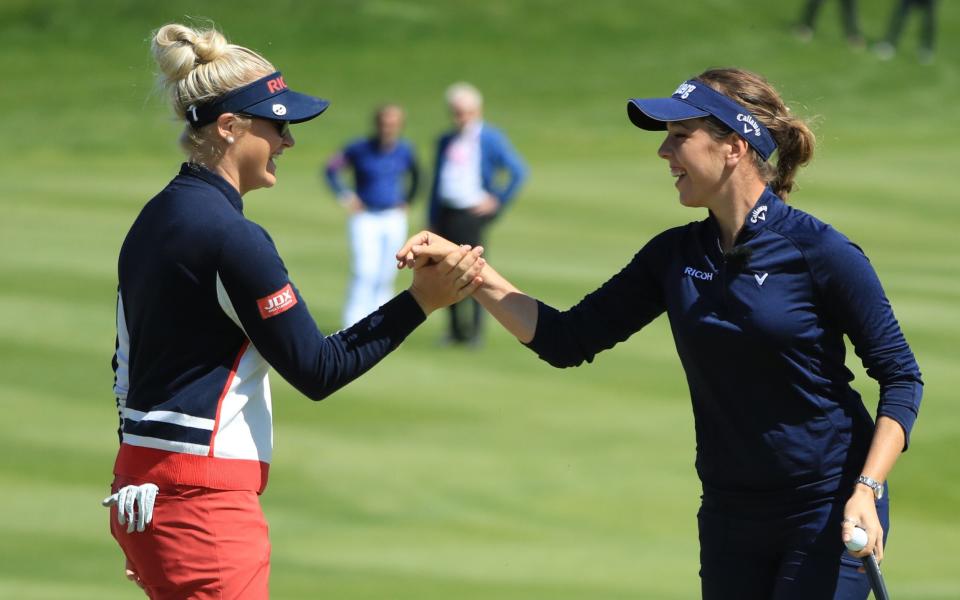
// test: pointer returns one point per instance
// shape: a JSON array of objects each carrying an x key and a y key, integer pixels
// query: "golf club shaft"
[{"x": 875, "y": 577}]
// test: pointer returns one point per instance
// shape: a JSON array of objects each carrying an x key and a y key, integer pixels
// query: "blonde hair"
[
  {"x": 795, "y": 140},
  {"x": 196, "y": 66}
]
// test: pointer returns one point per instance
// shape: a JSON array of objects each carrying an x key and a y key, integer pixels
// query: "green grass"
[{"x": 447, "y": 474}]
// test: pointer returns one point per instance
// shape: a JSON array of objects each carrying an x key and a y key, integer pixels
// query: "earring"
[{"x": 230, "y": 139}]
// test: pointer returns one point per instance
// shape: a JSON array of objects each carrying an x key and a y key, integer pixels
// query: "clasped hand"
[{"x": 443, "y": 272}]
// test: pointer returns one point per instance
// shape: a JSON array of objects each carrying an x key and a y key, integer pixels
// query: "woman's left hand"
[
  {"x": 861, "y": 511},
  {"x": 438, "y": 247},
  {"x": 454, "y": 277}
]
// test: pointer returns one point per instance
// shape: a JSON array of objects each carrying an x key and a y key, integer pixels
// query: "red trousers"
[{"x": 202, "y": 544}]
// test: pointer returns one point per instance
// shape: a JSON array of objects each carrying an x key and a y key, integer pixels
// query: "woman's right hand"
[
  {"x": 516, "y": 311},
  {"x": 133, "y": 576},
  {"x": 439, "y": 283},
  {"x": 439, "y": 246}
]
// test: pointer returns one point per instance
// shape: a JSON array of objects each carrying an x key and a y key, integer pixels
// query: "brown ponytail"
[{"x": 794, "y": 139}]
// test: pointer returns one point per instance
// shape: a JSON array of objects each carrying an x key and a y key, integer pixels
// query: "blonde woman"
[{"x": 205, "y": 307}]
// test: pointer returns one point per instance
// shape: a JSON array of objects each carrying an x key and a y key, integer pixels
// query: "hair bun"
[
  {"x": 178, "y": 49},
  {"x": 209, "y": 46},
  {"x": 196, "y": 65}
]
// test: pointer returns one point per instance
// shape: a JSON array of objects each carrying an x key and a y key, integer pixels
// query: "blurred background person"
[
  {"x": 851, "y": 26},
  {"x": 385, "y": 179},
  {"x": 887, "y": 48},
  {"x": 477, "y": 173}
]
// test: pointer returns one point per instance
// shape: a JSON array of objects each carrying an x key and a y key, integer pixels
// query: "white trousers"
[{"x": 374, "y": 239}]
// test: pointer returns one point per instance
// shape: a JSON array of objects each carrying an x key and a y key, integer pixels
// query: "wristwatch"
[{"x": 873, "y": 484}]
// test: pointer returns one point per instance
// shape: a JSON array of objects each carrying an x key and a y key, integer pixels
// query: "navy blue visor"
[
  {"x": 266, "y": 98},
  {"x": 695, "y": 99}
]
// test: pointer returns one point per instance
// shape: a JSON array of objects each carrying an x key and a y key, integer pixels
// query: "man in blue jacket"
[{"x": 468, "y": 192}]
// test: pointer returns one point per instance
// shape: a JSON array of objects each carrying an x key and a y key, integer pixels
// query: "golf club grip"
[{"x": 876, "y": 579}]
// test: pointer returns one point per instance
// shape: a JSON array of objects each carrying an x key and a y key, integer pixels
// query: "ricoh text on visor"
[{"x": 266, "y": 98}]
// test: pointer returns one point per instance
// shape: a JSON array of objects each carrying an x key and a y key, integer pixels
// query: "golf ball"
[{"x": 858, "y": 541}]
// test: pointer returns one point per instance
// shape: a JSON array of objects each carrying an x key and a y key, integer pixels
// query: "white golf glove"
[{"x": 134, "y": 505}]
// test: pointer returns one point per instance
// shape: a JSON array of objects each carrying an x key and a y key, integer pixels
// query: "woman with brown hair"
[{"x": 759, "y": 296}]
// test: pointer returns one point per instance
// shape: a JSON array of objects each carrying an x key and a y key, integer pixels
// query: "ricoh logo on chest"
[
  {"x": 698, "y": 274},
  {"x": 749, "y": 124},
  {"x": 278, "y": 302}
]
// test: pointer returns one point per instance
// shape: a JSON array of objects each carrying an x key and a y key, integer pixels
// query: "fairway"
[{"x": 445, "y": 473}]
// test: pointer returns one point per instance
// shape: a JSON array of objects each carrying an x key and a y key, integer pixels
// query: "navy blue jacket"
[
  {"x": 205, "y": 307},
  {"x": 379, "y": 175},
  {"x": 496, "y": 155},
  {"x": 760, "y": 334}
]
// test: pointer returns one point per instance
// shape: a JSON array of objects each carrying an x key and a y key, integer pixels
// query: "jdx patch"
[{"x": 278, "y": 302}]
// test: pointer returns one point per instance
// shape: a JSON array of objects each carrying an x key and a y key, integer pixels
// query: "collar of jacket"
[
  {"x": 199, "y": 171},
  {"x": 768, "y": 208}
]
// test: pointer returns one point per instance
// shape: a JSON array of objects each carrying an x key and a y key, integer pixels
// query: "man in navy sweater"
[{"x": 385, "y": 174}]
